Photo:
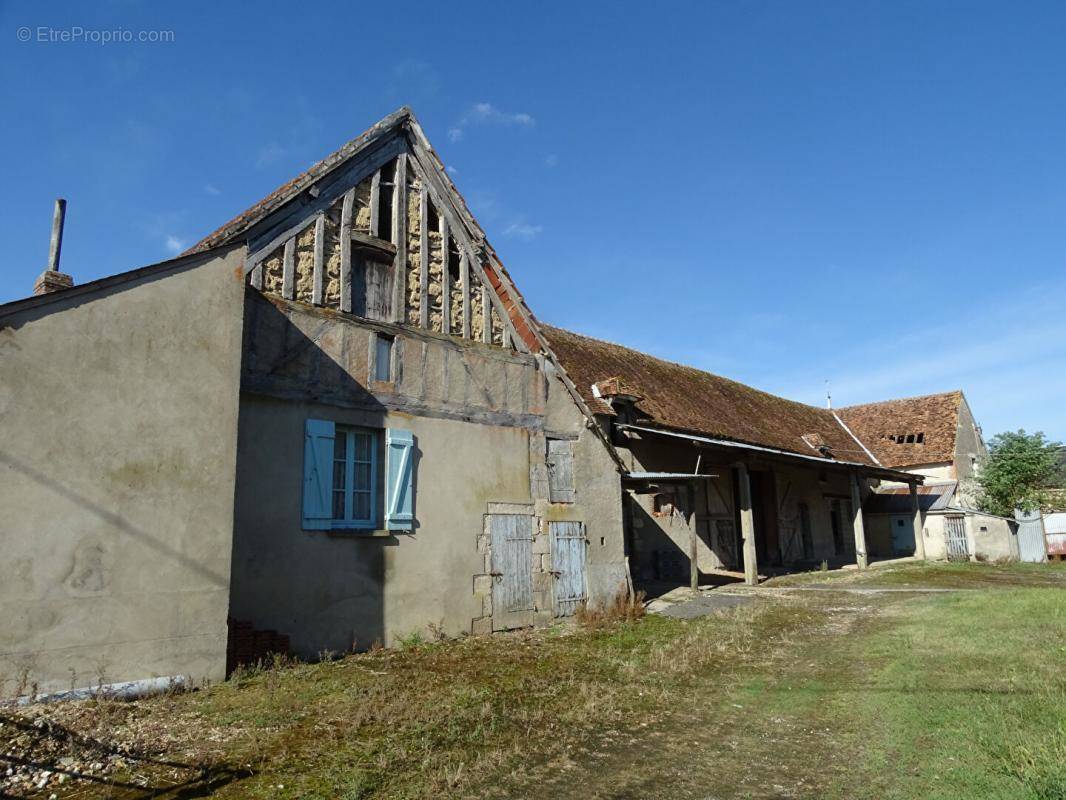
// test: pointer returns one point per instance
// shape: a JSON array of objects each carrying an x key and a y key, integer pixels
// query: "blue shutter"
[
  {"x": 399, "y": 471},
  {"x": 318, "y": 474}
]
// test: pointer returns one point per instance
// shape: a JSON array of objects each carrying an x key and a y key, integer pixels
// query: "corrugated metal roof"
[
  {"x": 897, "y": 499},
  {"x": 1055, "y": 522}
]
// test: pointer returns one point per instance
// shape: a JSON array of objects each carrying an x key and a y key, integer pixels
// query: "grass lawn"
[{"x": 803, "y": 694}]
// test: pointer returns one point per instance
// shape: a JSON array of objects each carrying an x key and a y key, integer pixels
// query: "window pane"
[
  {"x": 361, "y": 477},
  {"x": 338, "y": 474},
  {"x": 361, "y": 505},
  {"x": 340, "y": 445},
  {"x": 338, "y": 505},
  {"x": 383, "y": 358},
  {"x": 362, "y": 446}
]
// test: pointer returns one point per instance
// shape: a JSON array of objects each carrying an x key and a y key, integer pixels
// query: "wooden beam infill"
[
  {"x": 399, "y": 239},
  {"x": 346, "y": 250},
  {"x": 423, "y": 246},
  {"x": 375, "y": 203},
  {"x": 257, "y": 275},
  {"x": 289, "y": 220},
  {"x": 288, "y": 267},
  {"x": 464, "y": 277},
  {"x": 445, "y": 279},
  {"x": 447, "y": 215},
  {"x": 320, "y": 253}
]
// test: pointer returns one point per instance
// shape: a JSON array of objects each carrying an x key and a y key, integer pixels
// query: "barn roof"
[
  {"x": 684, "y": 398},
  {"x": 891, "y": 428}
]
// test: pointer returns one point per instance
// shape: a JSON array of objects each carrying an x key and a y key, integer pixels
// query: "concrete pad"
[{"x": 699, "y": 606}]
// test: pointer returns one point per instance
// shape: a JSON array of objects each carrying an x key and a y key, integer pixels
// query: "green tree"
[{"x": 1017, "y": 473}]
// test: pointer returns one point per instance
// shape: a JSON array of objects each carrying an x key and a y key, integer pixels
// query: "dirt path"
[{"x": 761, "y": 734}]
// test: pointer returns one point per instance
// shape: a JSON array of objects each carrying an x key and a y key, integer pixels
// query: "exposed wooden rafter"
[
  {"x": 288, "y": 267},
  {"x": 346, "y": 249},
  {"x": 320, "y": 253},
  {"x": 399, "y": 238}
]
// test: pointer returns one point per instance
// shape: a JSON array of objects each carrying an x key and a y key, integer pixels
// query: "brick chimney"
[{"x": 52, "y": 280}]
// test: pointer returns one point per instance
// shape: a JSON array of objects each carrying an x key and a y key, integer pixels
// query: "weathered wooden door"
[
  {"x": 902, "y": 534},
  {"x": 568, "y": 566},
  {"x": 512, "y": 570},
  {"x": 955, "y": 532}
]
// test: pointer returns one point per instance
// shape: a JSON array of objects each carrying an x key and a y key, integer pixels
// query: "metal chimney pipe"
[{"x": 56, "y": 244}]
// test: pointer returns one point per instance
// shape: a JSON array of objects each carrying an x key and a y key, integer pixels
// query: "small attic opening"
[{"x": 453, "y": 262}]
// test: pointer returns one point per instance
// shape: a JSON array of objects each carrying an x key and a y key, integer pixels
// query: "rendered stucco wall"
[
  {"x": 340, "y": 590},
  {"x": 992, "y": 538},
  {"x": 479, "y": 415},
  {"x": 598, "y": 496},
  {"x": 118, "y": 408}
]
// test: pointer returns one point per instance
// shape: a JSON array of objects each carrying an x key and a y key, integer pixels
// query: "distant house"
[{"x": 935, "y": 436}]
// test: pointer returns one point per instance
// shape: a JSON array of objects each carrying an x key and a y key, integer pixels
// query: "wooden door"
[
  {"x": 955, "y": 533},
  {"x": 512, "y": 570},
  {"x": 569, "y": 549}
]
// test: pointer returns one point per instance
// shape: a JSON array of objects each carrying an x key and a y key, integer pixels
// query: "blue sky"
[{"x": 870, "y": 194}]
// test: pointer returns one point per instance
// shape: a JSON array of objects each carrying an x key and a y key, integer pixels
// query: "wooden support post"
[
  {"x": 399, "y": 238},
  {"x": 445, "y": 280},
  {"x": 919, "y": 527},
  {"x": 257, "y": 276},
  {"x": 288, "y": 270},
  {"x": 693, "y": 544},
  {"x": 320, "y": 259},
  {"x": 486, "y": 314},
  {"x": 464, "y": 276},
  {"x": 861, "y": 558},
  {"x": 346, "y": 250},
  {"x": 375, "y": 203},
  {"x": 747, "y": 527},
  {"x": 423, "y": 238}
]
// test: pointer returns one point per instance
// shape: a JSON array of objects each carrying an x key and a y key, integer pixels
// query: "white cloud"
[
  {"x": 212, "y": 190},
  {"x": 521, "y": 229},
  {"x": 451, "y": 170},
  {"x": 488, "y": 114},
  {"x": 174, "y": 244}
]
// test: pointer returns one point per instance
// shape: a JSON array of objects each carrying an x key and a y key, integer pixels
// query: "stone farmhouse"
[{"x": 335, "y": 422}]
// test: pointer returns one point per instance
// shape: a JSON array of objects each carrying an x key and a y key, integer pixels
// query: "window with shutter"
[
  {"x": 318, "y": 467},
  {"x": 340, "y": 477},
  {"x": 560, "y": 459},
  {"x": 399, "y": 487}
]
